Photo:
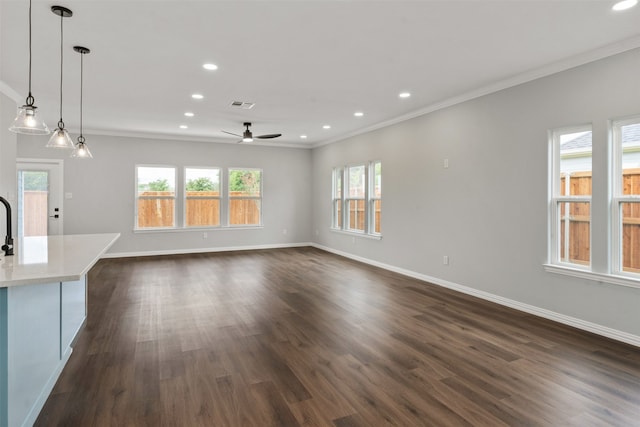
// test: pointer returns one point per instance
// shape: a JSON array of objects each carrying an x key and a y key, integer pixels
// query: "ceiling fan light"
[
  {"x": 247, "y": 136},
  {"x": 60, "y": 139},
  {"x": 27, "y": 121}
]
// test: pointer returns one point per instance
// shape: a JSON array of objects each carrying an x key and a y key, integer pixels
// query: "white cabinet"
[
  {"x": 37, "y": 326},
  {"x": 33, "y": 320},
  {"x": 73, "y": 311}
]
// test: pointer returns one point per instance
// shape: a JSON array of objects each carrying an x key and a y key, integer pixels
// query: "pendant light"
[
  {"x": 27, "y": 120},
  {"x": 81, "y": 149},
  {"x": 60, "y": 137}
]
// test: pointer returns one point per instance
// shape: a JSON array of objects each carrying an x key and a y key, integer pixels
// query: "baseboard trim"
[
  {"x": 527, "y": 308},
  {"x": 203, "y": 250}
]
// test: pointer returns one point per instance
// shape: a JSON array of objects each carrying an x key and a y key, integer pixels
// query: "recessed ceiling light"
[
  {"x": 358, "y": 114},
  {"x": 210, "y": 67},
  {"x": 404, "y": 95},
  {"x": 624, "y": 4},
  {"x": 189, "y": 114},
  {"x": 197, "y": 96},
  {"x": 184, "y": 127},
  {"x": 303, "y": 136},
  {"x": 326, "y": 127}
]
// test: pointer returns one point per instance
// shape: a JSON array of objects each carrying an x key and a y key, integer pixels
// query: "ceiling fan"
[{"x": 247, "y": 136}]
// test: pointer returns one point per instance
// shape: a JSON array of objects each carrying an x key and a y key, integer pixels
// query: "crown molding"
[{"x": 528, "y": 76}]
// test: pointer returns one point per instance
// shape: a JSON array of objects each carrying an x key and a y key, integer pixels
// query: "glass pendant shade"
[
  {"x": 81, "y": 151},
  {"x": 60, "y": 139},
  {"x": 27, "y": 121}
]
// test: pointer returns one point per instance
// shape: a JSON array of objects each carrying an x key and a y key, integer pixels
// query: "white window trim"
[
  {"x": 617, "y": 197},
  {"x": 185, "y": 198},
  {"x": 337, "y": 172},
  {"x": 194, "y": 229},
  {"x": 555, "y": 199},
  {"x": 369, "y": 176},
  {"x": 346, "y": 224},
  {"x": 228, "y": 199},
  {"x": 614, "y": 274},
  {"x": 371, "y": 197},
  {"x": 179, "y": 196},
  {"x": 608, "y": 278},
  {"x": 175, "y": 198}
]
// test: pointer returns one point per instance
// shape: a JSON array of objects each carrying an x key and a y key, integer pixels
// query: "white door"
[{"x": 40, "y": 196}]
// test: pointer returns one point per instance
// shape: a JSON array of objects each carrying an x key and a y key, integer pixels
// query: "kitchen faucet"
[{"x": 8, "y": 240}]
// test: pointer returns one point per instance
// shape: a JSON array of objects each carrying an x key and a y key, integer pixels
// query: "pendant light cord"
[
  {"x": 61, "y": 123},
  {"x": 30, "y": 99},
  {"x": 81, "y": 138}
]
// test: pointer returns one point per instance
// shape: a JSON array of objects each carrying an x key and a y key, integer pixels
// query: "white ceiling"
[{"x": 304, "y": 63}]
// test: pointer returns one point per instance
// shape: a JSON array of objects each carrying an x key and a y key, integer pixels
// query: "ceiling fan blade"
[
  {"x": 231, "y": 133},
  {"x": 271, "y": 135}
]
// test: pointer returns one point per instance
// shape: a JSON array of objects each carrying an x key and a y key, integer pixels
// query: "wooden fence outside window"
[{"x": 579, "y": 220}]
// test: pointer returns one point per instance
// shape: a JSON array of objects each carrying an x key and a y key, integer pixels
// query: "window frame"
[
  {"x": 556, "y": 199},
  {"x": 348, "y": 199},
  {"x": 229, "y": 198},
  {"x": 337, "y": 219},
  {"x": 609, "y": 263},
  {"x": 618, "y": 197},
  {"x": 372, "y": 199},
  {"x": 340, "y": 175},
  {"x": 185, "y": 197},
  {"x": 137, "y": 197}
]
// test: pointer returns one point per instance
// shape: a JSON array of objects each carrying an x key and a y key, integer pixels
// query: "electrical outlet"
[
  {"x": 204, "y": 235},
  {"x": 446, "y": 163},
  {"x": 445, "y": 260},
  {"x": 284, "y": 231}
]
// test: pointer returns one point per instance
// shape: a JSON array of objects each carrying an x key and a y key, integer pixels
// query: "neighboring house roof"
[{"x": 630, "y": 134}]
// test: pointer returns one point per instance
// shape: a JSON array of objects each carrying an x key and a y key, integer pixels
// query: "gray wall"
[
  {"x": 103, "y": 191},
  {"x": 488, "y": 210},
  {"x": 7, "y": 161}
]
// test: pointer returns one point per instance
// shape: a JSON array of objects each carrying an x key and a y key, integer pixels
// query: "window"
[
  {"x": 202, "y": 197},
  {"x": 626, "y": 197},
  {"x": 155, "y": 196},
  {"x": 570, "y": 207},
  {"x": 375, "y": 197},
  {"x": 337, "y": 198},
  {"x": 245, "y": 197},
  {"x": 356, "y": 198}
]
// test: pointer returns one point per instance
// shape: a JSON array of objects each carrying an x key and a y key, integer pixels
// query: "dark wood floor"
[{"x": 300, "y": 337}]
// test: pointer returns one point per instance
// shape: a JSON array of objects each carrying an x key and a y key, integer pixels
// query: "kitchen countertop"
[{"x": 49, "y": 259}]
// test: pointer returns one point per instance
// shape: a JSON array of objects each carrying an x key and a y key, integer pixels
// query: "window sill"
[
  {"x": 197, "y": 229},
  {"x": 590, "y": 275},
  {"x": 355, "y": 233}
]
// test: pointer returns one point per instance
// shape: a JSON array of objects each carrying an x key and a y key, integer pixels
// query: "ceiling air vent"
[{"x": 243, "y": 105}]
